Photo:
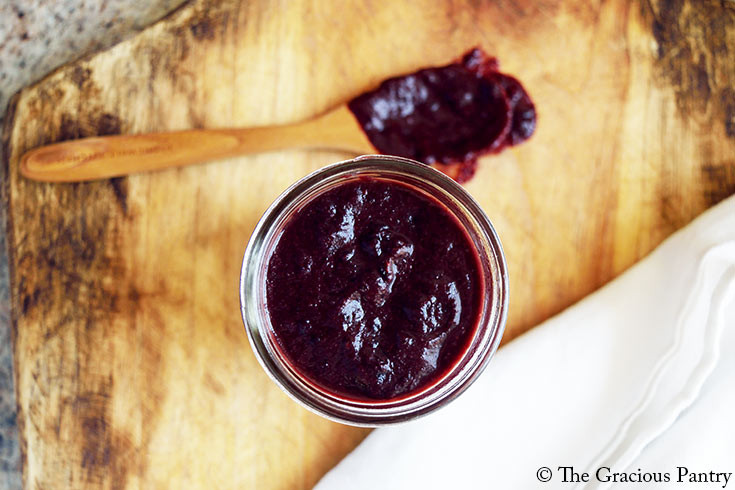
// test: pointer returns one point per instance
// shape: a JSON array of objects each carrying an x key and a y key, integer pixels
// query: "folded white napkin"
[{"x": 638, "y": 377}]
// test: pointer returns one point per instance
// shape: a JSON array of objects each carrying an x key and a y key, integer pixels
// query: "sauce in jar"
[{"x": 374, "y": 289}]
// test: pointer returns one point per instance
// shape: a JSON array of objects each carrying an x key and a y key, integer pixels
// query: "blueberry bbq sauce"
[
  {"x": 448, "y": 116},
  {"x": 373, "y": 290}
]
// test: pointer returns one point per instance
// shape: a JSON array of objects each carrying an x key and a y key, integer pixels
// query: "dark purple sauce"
[
  {"x": 448, "y": 115},
  {"x": 373, "y": 290}
]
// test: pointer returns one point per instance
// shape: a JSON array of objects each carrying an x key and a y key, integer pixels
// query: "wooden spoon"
[{"x": 113, "y": 156}]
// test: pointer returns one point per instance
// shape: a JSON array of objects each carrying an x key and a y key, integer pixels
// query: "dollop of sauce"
[
  {"x": 448, "y": 116},
  {"x": 373, "y": 290}
]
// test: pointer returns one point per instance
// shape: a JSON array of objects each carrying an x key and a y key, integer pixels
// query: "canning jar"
[{"x": 493, "y": 301}]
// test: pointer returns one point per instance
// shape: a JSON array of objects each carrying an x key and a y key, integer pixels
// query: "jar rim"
[{"x": 488, "y": 331}]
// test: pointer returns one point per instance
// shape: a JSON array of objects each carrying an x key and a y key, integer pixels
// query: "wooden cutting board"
[{"x": 133, "y": 369}]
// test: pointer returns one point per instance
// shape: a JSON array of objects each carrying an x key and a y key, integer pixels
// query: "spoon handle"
[{"x": 113, "y": 156}]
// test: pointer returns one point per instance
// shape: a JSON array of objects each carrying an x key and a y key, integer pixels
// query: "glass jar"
[{"x": 466, "y": 369}]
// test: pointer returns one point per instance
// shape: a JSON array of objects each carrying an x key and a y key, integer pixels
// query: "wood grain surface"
[{"x": 133, "y": 369}]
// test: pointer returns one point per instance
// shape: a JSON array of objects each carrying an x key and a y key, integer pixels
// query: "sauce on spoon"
[{"x": 448, "y": 115}]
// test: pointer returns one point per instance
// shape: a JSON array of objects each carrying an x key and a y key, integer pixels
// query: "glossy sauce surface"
[
  {"x": 448, "y": 115},
  {"x": 373, "y": 290}
]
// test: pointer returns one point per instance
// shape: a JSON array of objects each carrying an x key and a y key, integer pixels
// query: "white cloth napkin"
[{"x": 638, "y": 377}]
